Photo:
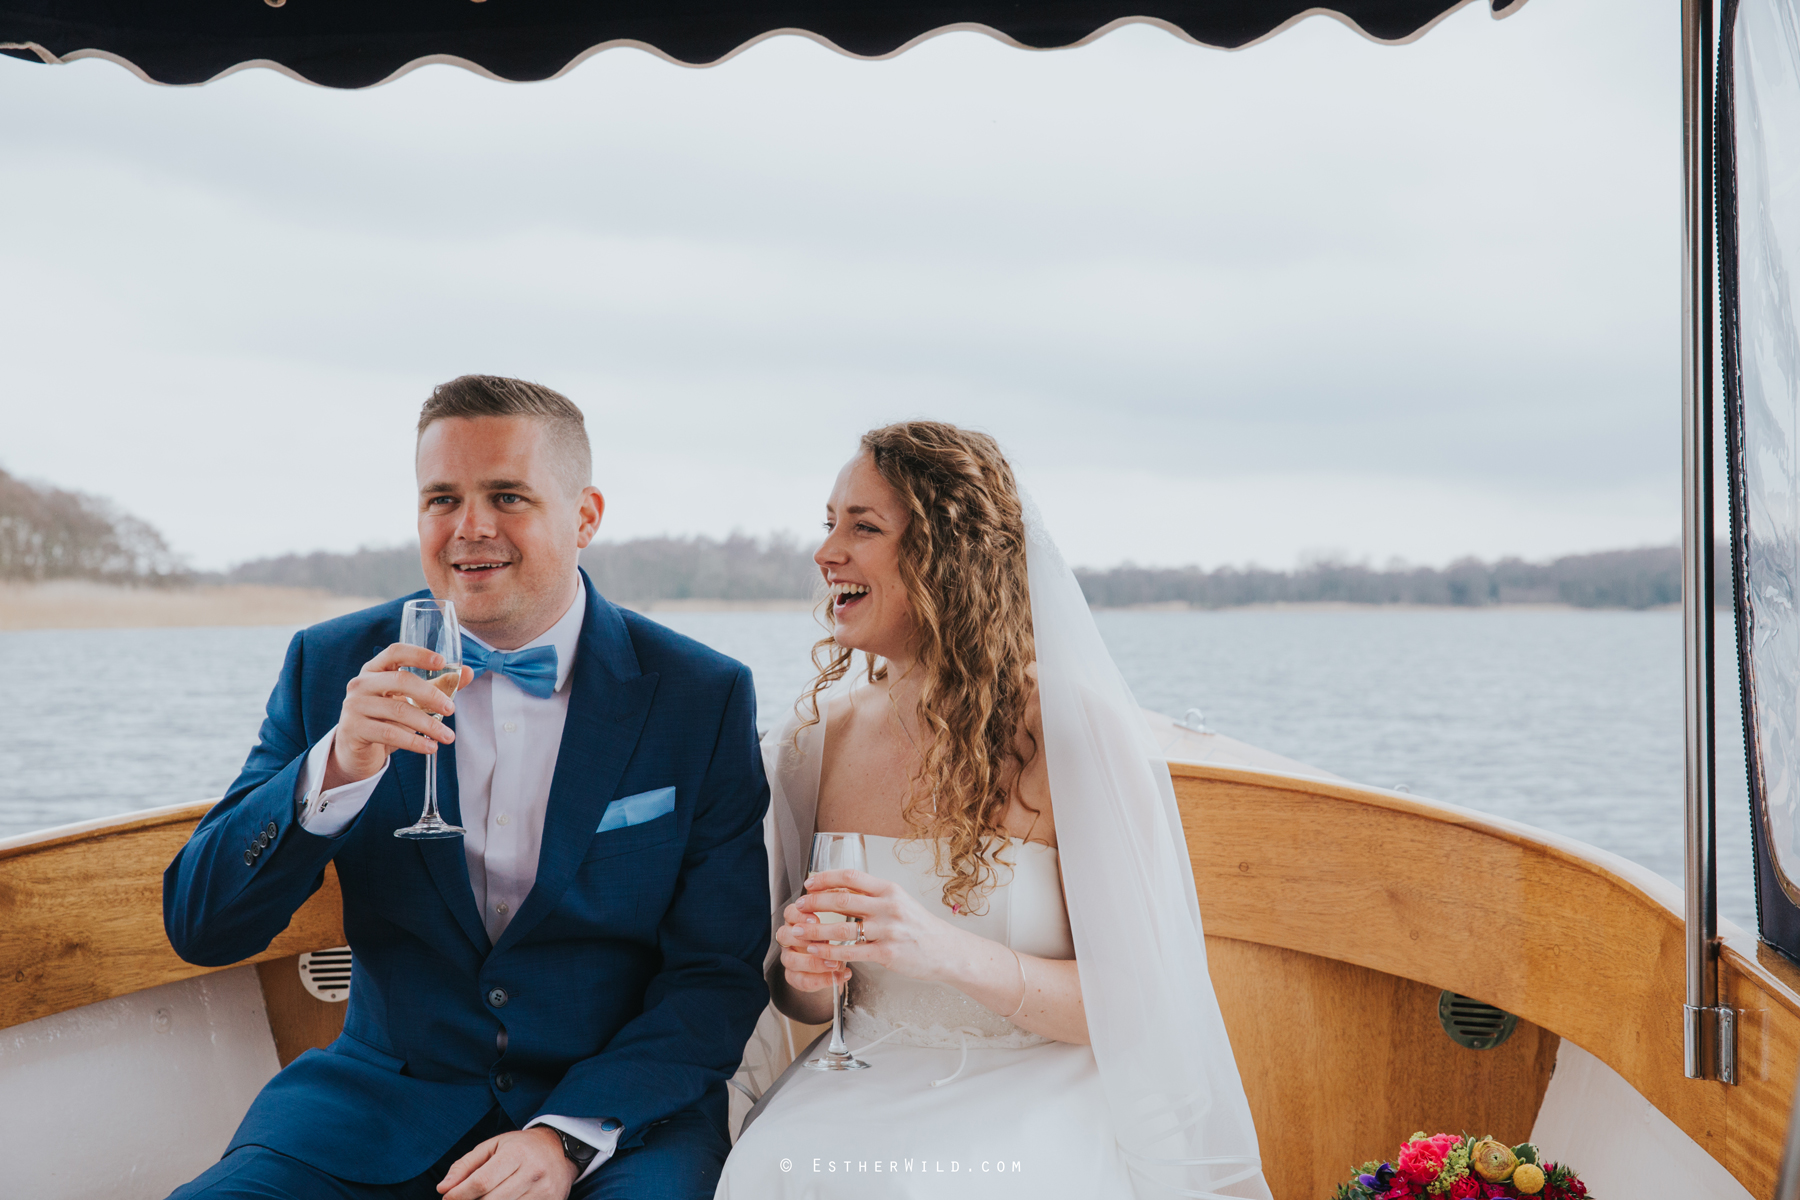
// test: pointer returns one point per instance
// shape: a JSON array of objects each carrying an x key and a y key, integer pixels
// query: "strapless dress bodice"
[
  {"x": 1024, "y": 910},
  {"x": 957, "y": 1101}
]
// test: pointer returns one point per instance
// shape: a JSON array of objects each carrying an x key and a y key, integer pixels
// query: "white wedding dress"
[{"x": 958, "y": 1100}]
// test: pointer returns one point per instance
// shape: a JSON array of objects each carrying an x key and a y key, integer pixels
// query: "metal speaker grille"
[
  {"x": 1473, "y": 1024},
  {"x": 326, "y": 974}
]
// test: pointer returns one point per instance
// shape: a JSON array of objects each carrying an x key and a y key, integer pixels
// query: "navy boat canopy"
[{"x": 358, "y": 43}]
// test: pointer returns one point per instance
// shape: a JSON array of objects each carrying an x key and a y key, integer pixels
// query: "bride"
[{"x": 1028, "y": 979}]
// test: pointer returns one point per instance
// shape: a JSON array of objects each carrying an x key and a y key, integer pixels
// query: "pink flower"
[
  {"x": 1465, "y": 1189},
  {"x": 1421, "y": 1161}
]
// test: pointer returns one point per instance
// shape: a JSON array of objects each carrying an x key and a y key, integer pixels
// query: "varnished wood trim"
[
  {"x": 1575, "y": 940},
  {"x": 297, "y": 1020},
  {"x": 1341, "y": 1064},
  {"x": 185, "y": 815},
  {"x": 81, "y": 914}
]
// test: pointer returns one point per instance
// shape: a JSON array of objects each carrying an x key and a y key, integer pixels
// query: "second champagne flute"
[
  {"x": 432, "y": 624},
  {"x": 837, "y": 852}
]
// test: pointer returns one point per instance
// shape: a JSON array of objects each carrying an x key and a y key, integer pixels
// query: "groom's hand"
[
  {"x": 526, "y": 1165},
  {"x": 377, "y": 720}
]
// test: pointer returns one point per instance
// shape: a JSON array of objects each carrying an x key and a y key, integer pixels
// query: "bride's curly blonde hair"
[{"x": 962, "y": 559}]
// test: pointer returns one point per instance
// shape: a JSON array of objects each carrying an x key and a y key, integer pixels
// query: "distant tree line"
[
  {"x": 376, "y": 573},
  {"x": 702, "y": 568},
  {"x": 1642, "y": 578},
  {"x": 642, "y": 570},
  {"x": 48, "y": 533},
  {"x": 645, "y": 570}
]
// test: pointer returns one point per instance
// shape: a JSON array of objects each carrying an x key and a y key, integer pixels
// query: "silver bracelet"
[{"x": 1023, "y": 989}]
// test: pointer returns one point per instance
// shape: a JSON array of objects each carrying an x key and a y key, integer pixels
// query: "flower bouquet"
[{"x": 1462, "y": 1168}]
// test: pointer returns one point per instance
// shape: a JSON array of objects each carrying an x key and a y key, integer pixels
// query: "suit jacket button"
[
  {"x": 271, "y": 829},
  {"x": 249, "y": 858},
  {"x": 503, "y": 1082},
  {"x": 262, "y": 840},
  {"x": 497, "y": 997}
]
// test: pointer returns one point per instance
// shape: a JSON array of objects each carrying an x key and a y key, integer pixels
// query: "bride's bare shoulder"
[
  {"x": 838, "y": 715},
  {"x": 840, "y": 708}
]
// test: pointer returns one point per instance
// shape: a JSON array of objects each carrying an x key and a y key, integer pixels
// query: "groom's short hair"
[{"x": 497, "y": 396}]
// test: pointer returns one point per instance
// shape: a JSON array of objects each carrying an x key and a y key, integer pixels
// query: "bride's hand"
[
  {"x": 807, "y": 972},
  {"x": 901, "y": 935}
]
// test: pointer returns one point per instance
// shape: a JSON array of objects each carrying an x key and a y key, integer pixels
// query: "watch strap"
[{"x": 577, "y": 1151}]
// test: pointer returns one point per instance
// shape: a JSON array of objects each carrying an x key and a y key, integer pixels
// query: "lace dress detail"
[
  {"x": 1024, "y": 911},
  {"x": 944, "y": 1019}
]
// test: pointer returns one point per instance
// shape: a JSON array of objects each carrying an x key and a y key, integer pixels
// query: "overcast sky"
[{"x": 1316, "y": 296}]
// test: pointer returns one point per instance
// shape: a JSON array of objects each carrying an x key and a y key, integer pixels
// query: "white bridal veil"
[{"x": 1177, "y": 1104}]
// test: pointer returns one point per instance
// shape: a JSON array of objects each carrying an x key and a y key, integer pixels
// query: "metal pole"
[{"x": 1708, "y": 1027}]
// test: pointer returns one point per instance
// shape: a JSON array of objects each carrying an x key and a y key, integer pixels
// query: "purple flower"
[{"x": 1379, "y": 1181}]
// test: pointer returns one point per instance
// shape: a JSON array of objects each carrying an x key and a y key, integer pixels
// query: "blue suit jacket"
[{"x": 628, "y": 981}]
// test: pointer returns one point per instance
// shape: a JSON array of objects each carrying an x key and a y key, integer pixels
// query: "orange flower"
[{"x": 1493, "y": 1161}]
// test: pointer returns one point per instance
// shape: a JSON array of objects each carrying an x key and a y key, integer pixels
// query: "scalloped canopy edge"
[{"x": 353, "y": 44}]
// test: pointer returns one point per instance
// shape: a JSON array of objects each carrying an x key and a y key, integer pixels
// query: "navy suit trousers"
[{"x": 679, "y": 1160}]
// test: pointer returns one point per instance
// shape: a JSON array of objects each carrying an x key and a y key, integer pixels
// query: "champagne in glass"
[
  {"x": 432, "y": 624},
  {"x": 837, "y": 852}
]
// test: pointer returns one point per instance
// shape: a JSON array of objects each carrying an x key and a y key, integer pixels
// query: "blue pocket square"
[{"x": 635, "y": 810}]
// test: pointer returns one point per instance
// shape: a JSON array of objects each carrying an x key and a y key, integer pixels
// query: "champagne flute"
[
  {"x": 837, "y": 852},
  {"x": 432, "y": 624}
]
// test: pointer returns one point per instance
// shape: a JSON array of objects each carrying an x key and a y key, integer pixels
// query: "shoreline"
[{"x": 78, "y": 604}]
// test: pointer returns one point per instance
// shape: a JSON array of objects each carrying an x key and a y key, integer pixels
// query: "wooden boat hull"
[
  {"x": 1581, "y": 944},
  {"x": 1335, "y": 914}
]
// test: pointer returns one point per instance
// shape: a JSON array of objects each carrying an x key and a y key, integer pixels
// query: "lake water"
[{"x": 1568, "y": 720}]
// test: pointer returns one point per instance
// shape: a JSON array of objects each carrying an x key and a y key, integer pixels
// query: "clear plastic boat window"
[{"x": 1766, "y": 48}]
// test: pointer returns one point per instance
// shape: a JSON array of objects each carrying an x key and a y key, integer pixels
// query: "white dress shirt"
[{"x": 506, "y": 745}]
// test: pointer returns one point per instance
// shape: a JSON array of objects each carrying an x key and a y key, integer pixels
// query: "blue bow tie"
[{"x": 533, "y": 670}]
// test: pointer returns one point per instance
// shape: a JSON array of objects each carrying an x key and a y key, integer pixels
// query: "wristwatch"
[{"x": 577, "y": 1151}]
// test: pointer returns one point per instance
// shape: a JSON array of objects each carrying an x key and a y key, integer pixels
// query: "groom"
[{"x": 549, "y": 1005}]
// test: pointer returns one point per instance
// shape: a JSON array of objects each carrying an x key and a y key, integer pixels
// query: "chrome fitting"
[{"x": 1709, "y": 1043}]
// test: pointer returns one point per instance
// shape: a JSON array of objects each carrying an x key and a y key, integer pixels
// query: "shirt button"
[
  {"x": 497, "y": 997},
  {"x": 510, "y": 727},
  {"x": 502, "y": 819},
  {"x": 501, "y": 908}
]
